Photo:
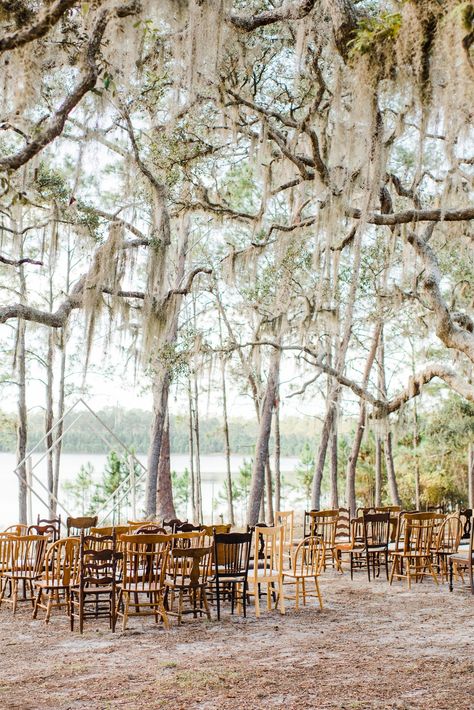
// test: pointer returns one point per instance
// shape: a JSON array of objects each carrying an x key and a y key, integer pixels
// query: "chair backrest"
[
  {"x": 55, "y": 522},
  {"x": 17, "y": 529},
  {"x": 172, "y": 523},
  {"x": 287, "y": 519},
  {"x": 5, "y": 551},
  {"x": 343, "y": 527},
  {"x": 231, "y": 553},
  {"x": 223, "y": 528},
  {"x": 376, "y": 529},
  {"x": 268, "y": 550},
  {"x": 184, "y": 540},
  {"x": 323, "y": 523},
  {"x": 76, "y": 526},
  {"x": 465, "y": 515},
  {"x": 188, "y": 527},
  {"x": 449, "y": 534},
  {"x": 61, "y": 565},
  {"x": 117, "y": 529},
  {"x": 150, "y": 530},
  {"x": 420, "y": 532},
  {"x": 97, "y": 560},
  {"x": 190, "y": 567},
  {"x": 308, "y": 557},
  {"x": 27, "y": 554},
  {"x": 49, "y": 530},
  {"x": 145, "y": 558}
]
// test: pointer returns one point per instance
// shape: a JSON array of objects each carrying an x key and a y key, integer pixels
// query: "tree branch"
[
  {"x": 45, "y": 22},
  {"x": 288, "y": 11}
]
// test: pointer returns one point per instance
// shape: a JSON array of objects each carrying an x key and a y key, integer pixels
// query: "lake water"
[{"x": 212, "y": 473}]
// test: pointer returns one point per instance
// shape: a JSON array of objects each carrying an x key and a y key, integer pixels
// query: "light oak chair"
[
  {"x": 306, "y": 564},
  {"x": 447, "y": 543},
  {"x": 24, "y": 563},
  {"x": 268, "y": 566},
  {"x": 415, "y": 555},
  {"x": 286, "y": 518},
  {"x": 61, "y": 572}
]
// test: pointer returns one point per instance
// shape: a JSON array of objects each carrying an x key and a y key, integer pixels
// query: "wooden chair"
[
  {"x": 24, "y": 563},
  {"x": 286, "y": 518},
  {"x": 323, "y": 524},
  {"x": 172, "y": 523},
  {"x": 447, "y": 543},
  {"x": 76, "y": 526},
  {"x": 61, "y": 571},
  {"x": 144, "y": 566},
  {"x": 376, "y": 539},
  {"x": 95, "y": 594},
  {"x": 55, "y": 522},
  {"x": 150, "y": 530},
  {"x": 416, "y": 551},
  {"x": 231, "y": 556},
  {"x": 49, "y": 530},
  {"x": 184, "y": 540},
  {"x": 465, "y": 515},
  {"x": 110, "y": 530},
  {"x": 354, "y": 547},
  {"x": 189, "y": 571},
  {"x": 18, "y": 529},
  {"x": 267, "y": 566},
  {"x": 463, "y": 560},
  {"x": 306, "y": 564},
  {"x": 343, "y": 527}
]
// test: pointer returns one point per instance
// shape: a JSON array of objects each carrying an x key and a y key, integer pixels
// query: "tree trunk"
[
  {"x": 378, "y": 471},
  {"x": 276, "y": 423},
  {"x": 22, "y": 424},
  {"x": 164, "y": 494},
  {"x": 321, "y": 457},
  {"x": 392, "y": 480},
  {"x": 160, "y": 407},
  {"x": 228, "y": 483},
  {"x": 49, "y": 421},
  {"x": 359, "y": 433},
  {"x": 197, "y": 451},
  {"x": 191, "y": 449},
  {"x": 60, "y": 426},
  {"x": 415, "y": 456},
  {"x": 261, "y": 449},
  {"x": 270, "y": 518},
  {"x": 470, "y": 474},
  {"x": 334, "y": 493}
]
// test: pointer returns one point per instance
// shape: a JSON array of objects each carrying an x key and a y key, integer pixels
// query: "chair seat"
[
  {"x": 298, "y": 575},
  {"x": 92, "y": 590},
  {"x": 55, "y": 584},
  {"x": 461, "y": 558},
  {"x": 138, "y": 587},
  {"x": 411, "y": 553},
  {"x": 261, "y": 573},
  {"x": 379, "y": 548},
  {"x": 21, "y": 575}
]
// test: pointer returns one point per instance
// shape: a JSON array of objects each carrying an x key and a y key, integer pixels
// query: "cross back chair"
[
  {"x": 55, "y": 522},
  {"x": 144, "y": 567},
  {"x": 61, "y": 571},
  {"x": 268, "y": 565},
  {"x": 231, "y": 555},
  {"x": 415, "y": 554},
  {"x": 189, "y": 571},
  {"x": 95, "y": 594},
  {"x": 77, "y": 526},
  {"x": 24, "y": 563},
  {"x": 306, "y": 564},
  {"x": 463, "y": 560}
]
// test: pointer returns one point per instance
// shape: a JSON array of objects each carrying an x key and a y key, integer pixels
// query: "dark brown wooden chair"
[
  {"x": 95, "y": 594},
  {"x": 150, "y": 530},
  {"x": 55, "y": 522},
  {"x": 77, "y": 526},
  {"x": 172, "y": 523},
  {"x": 231, "y": 554},
  {"x": 463, "y": 560},
  {"x": 188, "y": 578},
  {"x": 48, "y": 530},
  {"x": 376, "y": 539}
]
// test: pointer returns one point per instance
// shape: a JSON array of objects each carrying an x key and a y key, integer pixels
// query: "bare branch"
[
  {"x": 45, "y": 22},
  {"x": 19, "y": 262},
  {"x": 288, "y": 11}
]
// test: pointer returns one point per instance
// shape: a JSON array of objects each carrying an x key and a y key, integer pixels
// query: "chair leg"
[
  {"x": 297, "y": 593},
  {"x": 48, "y": 607},
  {"x": 281, "y": 595},
  {"x": 257, "y": 601},
  {"x": 367, "y": 555},
  {"x": 450, "y": 575},
  {"x": 318, "y": 592},
  {"x": 126, "y": 605},
  {"x": 205, "y": 602},
  {"x": 37, "y": 602},
  {"x": 218, "y": 599},
  {"x": 352, "y": 564}
]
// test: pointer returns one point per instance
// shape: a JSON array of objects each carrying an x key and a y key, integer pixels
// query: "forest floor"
[{"x": 373, "y": 646}]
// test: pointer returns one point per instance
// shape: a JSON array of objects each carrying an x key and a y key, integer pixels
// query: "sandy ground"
[{"x": 373, "y": 646}]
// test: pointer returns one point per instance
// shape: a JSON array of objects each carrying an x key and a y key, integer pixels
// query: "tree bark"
[
  {"x": 470, "y": 474},
  {"x": 270, "y": 518},
  {"x": 160, "y": 407},
  {"x": 276, "y": 425},
  {"x": 321, "y": 457},
  {"x": 334, "y": 493},
  {"x": 22, "y": 424},
  {"x": 164, "y": 495},
  {"x": 261, "y": 449},
  {"x": 378, "y": 470},
  {"x": 49, "y": 421},
  {"x": 391, "y": 477},
  {"x": 225, "y": 428}
]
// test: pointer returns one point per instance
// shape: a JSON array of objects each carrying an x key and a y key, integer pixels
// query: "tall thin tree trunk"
[
  {"x": 164, "y": 498},
  {"x": 191, "y": 451},
  {"x": 277, "y": 456},
  {"x": 160, "y": 408},
  {"x": 197, "y": 453},
  {"x": 334, "y": 493},
  {"x": 261, "y": 449},
  {"x": 359, "y": 432},
  {"x": 22, "y": 424},
  {"x": 49, "y": 421},
  {"x": 378, "y": 470},
  {"x": 415, "y": 455},
  {"x": 391, "y": 477},
  {"x": 321, "y": 456},
  {"x": 228, "y": 483},
  {"x": 269, "y": 486},
  {"x": 60, "y": 426},
  {"x": 470, "y": 476}
]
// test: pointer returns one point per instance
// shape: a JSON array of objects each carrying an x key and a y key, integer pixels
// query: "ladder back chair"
[
  {"x": 447, "y": 543},
  {"x": 61, "y": 572},
  {"x": 416, "y": 551},
  {"x": 268, "y": 565},
  {"x": 144, "y": 567},
  {"x": 188, "y": 578},
  {"x": 24, "y": 563},
  {"x": 307, "y": 562},
  {"x": 76, "y": 526},
  {"x": 231, "y": 556},
  {"x": 95, "y": 594},
  {"x": 376, "y": 540}
]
